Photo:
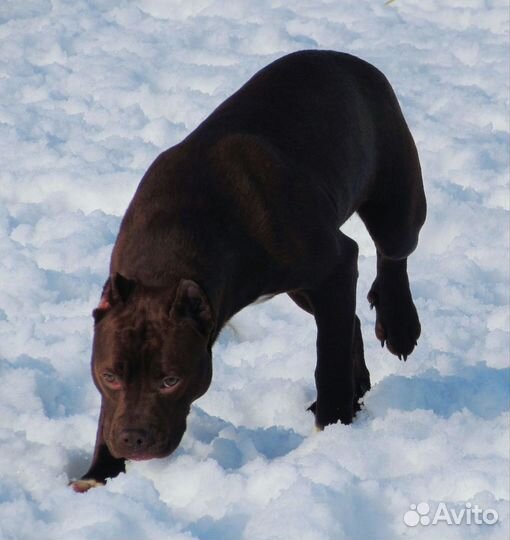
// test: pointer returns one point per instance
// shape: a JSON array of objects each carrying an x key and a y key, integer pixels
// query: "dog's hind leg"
[
  {"x": 332, "y": 301},
  {"x": 394, "y": 215},
  {"x": 360, "y": 371}
]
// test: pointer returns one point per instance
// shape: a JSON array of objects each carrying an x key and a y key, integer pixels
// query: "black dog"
[{"x": 250, "y": 204}]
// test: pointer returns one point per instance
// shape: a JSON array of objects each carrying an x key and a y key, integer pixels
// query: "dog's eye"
[
  {"x": 170, "y": 382},
  {"x": 110, "y": 379}
]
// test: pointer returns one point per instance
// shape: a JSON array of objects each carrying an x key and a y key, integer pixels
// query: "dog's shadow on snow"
[
  {"x": 233, "y": 446},
  {"x": 482, "y": 390}
]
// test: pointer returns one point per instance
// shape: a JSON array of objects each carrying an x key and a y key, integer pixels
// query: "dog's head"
[{"x": 151, "y": 359}]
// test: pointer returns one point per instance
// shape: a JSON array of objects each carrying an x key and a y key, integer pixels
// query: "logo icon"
[{"x": 417, "y": 514}]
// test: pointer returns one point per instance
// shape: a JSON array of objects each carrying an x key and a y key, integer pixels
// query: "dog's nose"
[{"x": 135, "y": 439}]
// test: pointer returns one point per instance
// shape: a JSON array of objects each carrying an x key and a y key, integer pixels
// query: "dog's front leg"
[
  {"x": 334, "y": 304},
  {"x": 103, "y": 465}
]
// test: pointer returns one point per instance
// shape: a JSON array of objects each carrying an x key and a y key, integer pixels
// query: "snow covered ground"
[{"x": 91, "y": 91}]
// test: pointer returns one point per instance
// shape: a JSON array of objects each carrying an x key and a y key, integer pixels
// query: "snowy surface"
[{"x": 92, "y": 91}]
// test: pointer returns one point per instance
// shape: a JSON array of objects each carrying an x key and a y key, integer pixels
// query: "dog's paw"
[
  {"x": 81, "y": 486},
  {"x": 397, "y": 324},
  {"x": 333, "y": 414}
]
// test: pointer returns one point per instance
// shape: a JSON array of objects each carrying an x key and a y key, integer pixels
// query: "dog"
[{"x": 249, "y": 205}]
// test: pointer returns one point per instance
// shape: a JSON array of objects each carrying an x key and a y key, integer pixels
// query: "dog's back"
[{"x": 296, "y": 150}]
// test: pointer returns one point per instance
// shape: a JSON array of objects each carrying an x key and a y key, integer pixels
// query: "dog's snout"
[{"x": 135, "y": 440}]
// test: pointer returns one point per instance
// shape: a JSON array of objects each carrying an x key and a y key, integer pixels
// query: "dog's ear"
[
  {"x": 191, "y": 303},
  {"x": 122, "y": 287},
  {"x": 116, "y": 289}
]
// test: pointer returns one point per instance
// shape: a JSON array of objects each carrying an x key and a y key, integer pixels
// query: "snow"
[{"x": 91, "y": 92}]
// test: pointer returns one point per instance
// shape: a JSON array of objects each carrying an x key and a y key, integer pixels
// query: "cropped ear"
[
  {"x": 191, "y": 303},
  {"x": 122, "y": 287},
  {"x": 116, "y": 289}
]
